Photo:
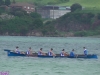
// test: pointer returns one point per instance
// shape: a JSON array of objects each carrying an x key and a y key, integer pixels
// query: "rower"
[
  {"x": 41, "y": 52},
  {"x": 17, "y": 50},
  {"x": 63, "y": 53},
  {"x": 29, "y": 52},
  {"x": 72, "y": 54},
  {"x": 51, "y": 53},
  {"x": 85, "y": 51}
]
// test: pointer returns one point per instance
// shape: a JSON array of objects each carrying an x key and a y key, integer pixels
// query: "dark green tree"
[
  {"x": 98, "y": 16},
  {"x": 7, "y": 2},
  {"x": 75, "y": 7},
  {"x": 90, "y": 15},
  {"x": 1, "y": 2},
  {"x": 35, "y": 15},
  {"x": 37, "y": 23},
  {"x": 13, "y": 1},
  {"x": 19, "y": 13}
]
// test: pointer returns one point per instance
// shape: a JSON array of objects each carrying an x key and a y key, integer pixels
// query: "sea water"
[{"x": 49, "y": 66}]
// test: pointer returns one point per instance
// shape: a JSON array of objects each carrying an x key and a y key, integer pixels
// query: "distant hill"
[
  {"x": 43, "y": 2},
  {"x": 79, "y": 23},
  {"x": 84, "y": 3}
]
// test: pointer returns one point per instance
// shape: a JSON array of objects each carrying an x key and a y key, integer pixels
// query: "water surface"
[{"x": 49, "y": 66}]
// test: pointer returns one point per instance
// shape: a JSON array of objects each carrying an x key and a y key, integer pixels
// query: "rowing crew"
[{"x": 50, "y": 53}]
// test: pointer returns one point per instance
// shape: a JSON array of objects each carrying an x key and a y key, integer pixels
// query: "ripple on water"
[{"x": 50, "y": 66}]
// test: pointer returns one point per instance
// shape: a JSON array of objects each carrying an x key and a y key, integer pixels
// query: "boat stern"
[
  {"x": 7, "y": 50},
  {"x": 92, "y": 56}
]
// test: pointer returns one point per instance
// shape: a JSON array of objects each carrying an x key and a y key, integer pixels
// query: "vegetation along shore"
[{"x": 81, "y": 18}]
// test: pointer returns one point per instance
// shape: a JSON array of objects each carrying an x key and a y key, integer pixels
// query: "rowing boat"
[{"x": 12, "y": 53}]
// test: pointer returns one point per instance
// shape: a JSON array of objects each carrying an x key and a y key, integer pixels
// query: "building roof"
[
  {"x": 22, "y": 4},
  {"x": 50, "y": 7}
]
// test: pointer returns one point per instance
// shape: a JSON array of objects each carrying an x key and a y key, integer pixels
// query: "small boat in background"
[{"x": 12, "y": 53}]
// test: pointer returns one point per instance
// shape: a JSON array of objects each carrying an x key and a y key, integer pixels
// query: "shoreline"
[{"x": 95, "y": 36}]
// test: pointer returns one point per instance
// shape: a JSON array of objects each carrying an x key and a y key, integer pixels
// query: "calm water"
[{"x": 49, "y": 66}]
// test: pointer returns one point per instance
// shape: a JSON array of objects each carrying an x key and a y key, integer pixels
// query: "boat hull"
[
  {"x": 11, "y": 53},
  {"x": 79, "y": 56}
]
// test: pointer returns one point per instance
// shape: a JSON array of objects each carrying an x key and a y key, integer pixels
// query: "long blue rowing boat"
[{"x": 12, "y": 53}]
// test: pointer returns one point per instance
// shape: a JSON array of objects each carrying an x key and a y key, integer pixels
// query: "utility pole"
[{"x": 53, "y": 11}]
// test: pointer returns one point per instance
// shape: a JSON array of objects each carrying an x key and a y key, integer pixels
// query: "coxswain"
[{"x": 85, "y": 51}]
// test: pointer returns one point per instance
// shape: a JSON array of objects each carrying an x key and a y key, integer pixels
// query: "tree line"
[
  {"x": 23, "y": 23},
  {"x": 19, "y": 22},
  {"x": 5, "y": 2},
  {"x": 79, "y": 22},
  {"x": 76, "y": 21}
]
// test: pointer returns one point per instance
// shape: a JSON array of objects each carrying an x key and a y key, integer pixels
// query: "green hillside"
[
  {"x": 42, "y": 2},
  {"x": 85, "y": 3},
  {"x": 78, "y": 23}
]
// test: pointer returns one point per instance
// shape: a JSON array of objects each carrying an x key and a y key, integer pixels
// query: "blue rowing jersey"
[
  {"x": 72, "y": 54},
  {"x": 61, "y": 54},
  {"x": 28, "y": 52},
  {"x": 18, "y": 52},
  {"x": 39, "y": 53},
  {"x": 49, "y": 53},
  {"x": 85, "y": 52}
]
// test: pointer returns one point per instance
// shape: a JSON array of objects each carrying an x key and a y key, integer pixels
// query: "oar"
[{"x": 76, "y": 55}]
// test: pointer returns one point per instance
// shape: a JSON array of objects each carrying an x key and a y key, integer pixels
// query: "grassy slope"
[
  {"x": 89, "y": 4},
  {"x": 85, "y": 3},
  {"x": 37, "y": 1}
]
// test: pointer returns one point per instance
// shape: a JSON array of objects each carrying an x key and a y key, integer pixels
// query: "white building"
[{"x": 53, "y": 11}]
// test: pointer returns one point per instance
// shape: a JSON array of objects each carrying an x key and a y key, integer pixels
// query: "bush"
[
  {"x": 75, "y": 7},
  {"x": 98, "y": 16},
  {"x": 35, "y": 15},
  {"x": 80, "y": 33}
]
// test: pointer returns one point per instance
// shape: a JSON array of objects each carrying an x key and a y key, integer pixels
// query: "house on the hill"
[
  {"x": 25, "y": 6},
  {"x": 53, "y": 11}
]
